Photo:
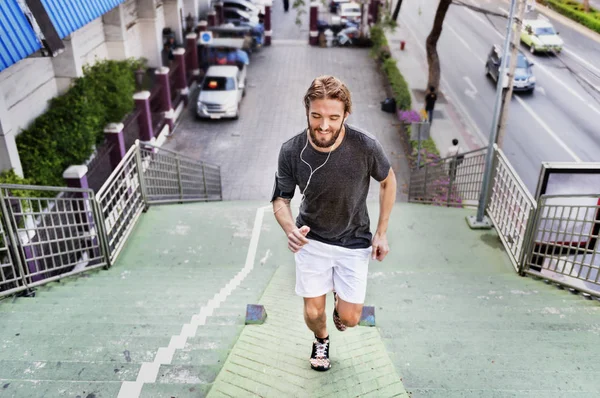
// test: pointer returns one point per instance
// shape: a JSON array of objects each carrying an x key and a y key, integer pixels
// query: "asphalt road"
[{"x": 558, "y": 122}]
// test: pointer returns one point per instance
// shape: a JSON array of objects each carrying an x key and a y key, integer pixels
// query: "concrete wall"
[
  {"x": 27, "y": 87},
  {"x": 91, "y": 42}
]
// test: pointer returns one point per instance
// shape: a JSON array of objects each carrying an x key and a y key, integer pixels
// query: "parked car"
[
  {"x": 524, "y": 79},
  {"x": 540, "y": 35},
  {"x": 334, "y": 5},
  {"x": 245, "y": 5},
  {"x": 221, "y": 92},
  {"x": 350, "y": 12},
  {"x": 235, "y": 15}
]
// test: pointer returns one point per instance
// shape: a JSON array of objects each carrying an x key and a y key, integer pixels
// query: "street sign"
[{"x": 206, "y": 37}]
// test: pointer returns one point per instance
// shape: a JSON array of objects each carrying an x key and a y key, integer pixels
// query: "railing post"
[
  {"x": 425, "y": 181},
  {"x": 212, "y": 18},
  {"x": 529, "y": 238},
  {"x": 142, "y": 103},
  {"x": 192, "y": 50},
  {"x": 140, "y": 171},
  {"x": 313, "y": 38},
  {"x": 181, "y": 75},
  {"x": 268, "y": 30},
  {"x": 179, "y": 183},
  {"x": 114, "y": 136},
  {"x": 219, "y": 10},
  {"x": 162, "y": 75},
  {"x": 204, "y": 181},
  {"x": 452, "y": 165},
  {"x": 14, "y": 242}
]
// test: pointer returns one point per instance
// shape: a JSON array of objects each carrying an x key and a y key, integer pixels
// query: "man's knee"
[
  {"x": 350, "y": 319},
  {"x": 313, "y": 313}
]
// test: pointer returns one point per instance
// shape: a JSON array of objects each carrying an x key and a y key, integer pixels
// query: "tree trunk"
[
  {"x": 586, "y": 5},
  {"x": 397, "y": 10},
  {"x": 432, "y": 56}
]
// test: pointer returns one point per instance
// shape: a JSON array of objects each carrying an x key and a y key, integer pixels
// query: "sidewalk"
[{"x": 450, "y": 121}]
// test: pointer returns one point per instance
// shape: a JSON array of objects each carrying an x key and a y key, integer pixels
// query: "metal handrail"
[
  {"x": 557, "y": 251},
  {"x": 514, "y": 174},
  {"x": 511, "y": 208},
  {"x": 93, "y": 228}
]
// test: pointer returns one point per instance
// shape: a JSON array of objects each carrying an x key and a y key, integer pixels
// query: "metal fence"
[
  {"x": 511, "y": 208},
  {"x": 170, "y": 177},
  {"x": 563, "y": 243},
  {"x": 121, "y": 202},
  {"x": 555, "y": 238},
  {"x": 48, "y": 233},
  {"x": 451, "y": 181}
]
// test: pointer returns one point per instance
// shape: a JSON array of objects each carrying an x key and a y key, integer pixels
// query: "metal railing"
[
  {"x": 511, "y": 208},
  {"x": 121, "y": 202},
  {"x": 48, "y": 233},
  {"x": 451, "y": 181},
  {"x": 563, "y": 244},
  {"x": 171, "y": 177},
  {"x": 555, "y": 238}
]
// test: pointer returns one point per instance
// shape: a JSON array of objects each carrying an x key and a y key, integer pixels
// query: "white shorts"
[{"x": 321, "y": 268}]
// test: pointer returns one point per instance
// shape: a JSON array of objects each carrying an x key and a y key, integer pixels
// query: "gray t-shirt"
[{"x": 335, "y": 205}]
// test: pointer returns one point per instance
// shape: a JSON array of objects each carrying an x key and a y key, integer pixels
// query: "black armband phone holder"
[{"x": 279, "y": 193}]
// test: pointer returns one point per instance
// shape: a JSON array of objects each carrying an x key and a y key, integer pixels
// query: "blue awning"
[
  {"x": 17, "y": 38},
  {"x": 69, "y": 15}
]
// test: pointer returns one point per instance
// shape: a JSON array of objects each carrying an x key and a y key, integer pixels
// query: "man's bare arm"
[
  {"x": 387, "y": 197},
  {"x": 283, "y": 215}
]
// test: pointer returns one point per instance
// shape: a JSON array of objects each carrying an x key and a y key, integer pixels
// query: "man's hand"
[
  {"x": 380, "y": 247},
  {"x": 297, "y": 238}
]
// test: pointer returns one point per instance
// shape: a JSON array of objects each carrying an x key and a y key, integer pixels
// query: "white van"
[{"x": 221, "y": 92}]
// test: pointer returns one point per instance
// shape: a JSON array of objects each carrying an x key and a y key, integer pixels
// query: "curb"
[{"x": 569, "y": 22}]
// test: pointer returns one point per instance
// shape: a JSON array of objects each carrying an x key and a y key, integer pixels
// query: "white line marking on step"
[{"x": 149, "y": 370}]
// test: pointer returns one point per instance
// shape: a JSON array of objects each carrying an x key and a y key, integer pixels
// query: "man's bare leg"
[
  {"x": 349, "y": 313},
  {"x": 314, "y": 315}
]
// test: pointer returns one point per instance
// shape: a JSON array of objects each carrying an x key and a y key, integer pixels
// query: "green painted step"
[
  {"x": 495, "y": 380},
  {"x": 179, "y": 390},
  {"x": 187, "y": 374},
  {"x": 474, "y": 359},
  {"x": 69, "y": 371},
  {"x": 500, "y": 393},
  {"x": 48, "y": 388}
]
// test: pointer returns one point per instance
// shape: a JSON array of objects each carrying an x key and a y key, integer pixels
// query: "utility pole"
[
  {"x": 479, "y": 221},
  {"x": 516, "y": 40}
]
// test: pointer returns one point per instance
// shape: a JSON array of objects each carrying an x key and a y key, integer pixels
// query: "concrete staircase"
[{"x": 86, "y": 335}]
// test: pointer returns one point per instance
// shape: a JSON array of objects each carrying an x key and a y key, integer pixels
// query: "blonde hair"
[{"x": 328, "y": 87}]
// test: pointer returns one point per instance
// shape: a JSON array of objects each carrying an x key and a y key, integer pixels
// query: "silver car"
[{"x": 221, "y": 93}]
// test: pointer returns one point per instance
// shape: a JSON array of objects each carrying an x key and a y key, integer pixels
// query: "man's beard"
[{"x": 324, "y": 144}]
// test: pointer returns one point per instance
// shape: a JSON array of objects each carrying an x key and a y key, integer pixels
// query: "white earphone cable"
[{"x": 312, "y": 172}]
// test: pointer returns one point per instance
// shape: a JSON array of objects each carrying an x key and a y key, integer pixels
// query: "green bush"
[
  {"x": 574, "y": 10},
  {"x": 74, "y": 123},
  {"x": 399, "y": 85},
  {"x": 10, "y": 177}
]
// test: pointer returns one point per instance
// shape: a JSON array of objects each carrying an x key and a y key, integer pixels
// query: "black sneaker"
[
  {"x": 319, "y": 359},
  {"x": 336, "y": 317}
]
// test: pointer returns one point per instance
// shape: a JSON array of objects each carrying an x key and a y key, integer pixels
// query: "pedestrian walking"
[
  {"x": 286, "y": 5},
  {"x": 430, "y": 99},
  {"x": 454, "y": 159},
  {"x": 332, "y": 163}
]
